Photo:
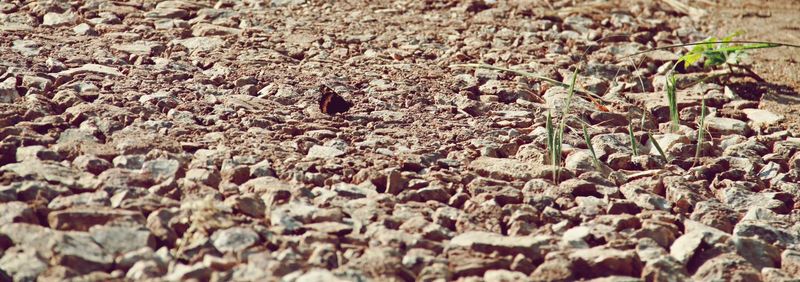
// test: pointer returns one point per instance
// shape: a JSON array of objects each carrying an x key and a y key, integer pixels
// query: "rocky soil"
[{"x": 183, "y": 140}]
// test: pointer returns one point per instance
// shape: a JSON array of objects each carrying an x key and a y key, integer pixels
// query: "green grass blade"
[
  {"x": 633, "y": 139},
  {"x": 672, "y": 101},
  {"x": 550, "y": 138},
  {"x": 591, "y": 148},
  {"x": 658, "y": 147}
]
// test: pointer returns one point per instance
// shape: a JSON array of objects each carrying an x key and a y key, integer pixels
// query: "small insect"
[{"x": 331, "y": 102}]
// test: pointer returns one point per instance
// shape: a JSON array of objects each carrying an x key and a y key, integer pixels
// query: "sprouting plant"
[
  {"x": 720, "y": 52},
  {"x": 700, "y": 130},
  {"x": 555, "y": 135},
  {"x": 634, "y": 147},
  {"x": 588, "y": 141},
  {"x": 551, "y": 140},
  {"x": 672, "y": 102},
  {"x": 658, "y": 147}
]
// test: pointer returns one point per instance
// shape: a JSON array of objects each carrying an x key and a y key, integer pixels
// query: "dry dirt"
[
  {"x": 775, "y": 21},
  {"x": 184, "y": 140}
]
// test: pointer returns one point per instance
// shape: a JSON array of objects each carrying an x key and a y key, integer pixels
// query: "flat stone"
[
  {"x": 8, "y": 90},
  {"x": 56, "y": 19},
  {"x": 161, "y": 169},
  {"x": 534, "y": 248},
  {"x": 201, "y": 43},
  {"x": 17, "y": 212},
  {"x": 22, "y": 264},
  {"x": 83, "y": 218},
  {"x": 726, "y": 126},
  {"x": 143, "y": 48},
  {"x": 234, "y": 239},
  {"x": 84, "y": 29},
  {"x": 78, "y": 251},
  {"x": 120, "y": 239},
  {"x": 765, "y": 231},
  {"x": 508, "y": 169},
  {"x": 726, "y": 267},
  {"x": 323, "y": 152},
  {"x": 688, "y": 244},
  {"x": 98, "y": 199},
  {"x": 36, "y": 153},
  {"x": 90, "y": 68},
  {"x": 47, "y": 171},
  {"x": 206, "y": 29},
  {"x": 790, "y": 262},
  {"x": 604, "y": 261},
  {"x": 760, "y": 118},
  {"x": 182, "y": 272},
  {"x": 757, "y": 252},
  {"x": 30, "y": 236}
]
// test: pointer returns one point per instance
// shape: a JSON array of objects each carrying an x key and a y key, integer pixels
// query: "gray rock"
[
  {"x": 119, "y": 239},
  {"x": 142, "y": 48},
  {"x": 144, "y": 269},
  {"x": 292, "y": 216},
  {"x": 129, "y": 161},
  {"x": 323, "y": 152},
  {"x": 761, "y": 118},
  {"x": 182, "y": 272},
  {"x": 511, "y": 169},
  {"x": 248, "y": 204},
  {"x": 763, "y": 230},
  {"x": 8, "y": 90},
  {"x": 8, "y": 194},
  {"x": 50, "y": 172},
  {"x": 22, "y": 264},
  {"x": 127, "y": 260},
  {"x": 607, "y": 144},
  {"x": 534, "y": 248},
  {"x": 56, "y": 19},
  {"x": 726, "y": 267},
  {"x": 692, "y": 242},
  {"x": 161, "y": 169},
  {"x": 208, "y": 43},
  {"x": 91, "y": 163},
  {"x": 208, "y": 177},
  {"x": 316, "y": 275},
  {"x": 281, "y": 3},
  {"x": 606, "y": 261},
  {"x": 757, "y": 252},
  {"x": 98, "y": 199},
  {"x": 11, "y": 212},
  {"x": 790, "y": 262},
  {"x": 726, "y": 126},
  {"x": 79, "y": 252},
  {"x": 89, "y": 68},
  {"x": 33, "y": 190},
  {"x": 28, "y": 48},
  {"x": 84, "y": 29},
  {"x": 83, "y": 218},
  {"x": 36, "y": 153},
  {"x": 234, "y": 239}
]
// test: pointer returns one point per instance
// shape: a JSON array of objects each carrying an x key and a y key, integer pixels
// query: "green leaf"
[{"x": 690, "y": 59}]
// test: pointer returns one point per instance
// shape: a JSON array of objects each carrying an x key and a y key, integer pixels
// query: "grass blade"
[
  {"x": 591, "y": 148},
  {"x": 550, "y": 138},
  {"x": 658, "y": 147},
  {"x": 700, "y": 131},
  {"x": 633, "y": 139},
  {"x": 672, "y": 102}
]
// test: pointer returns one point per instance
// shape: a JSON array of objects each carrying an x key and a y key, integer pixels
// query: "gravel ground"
[{"x": 187, "y": 140}]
